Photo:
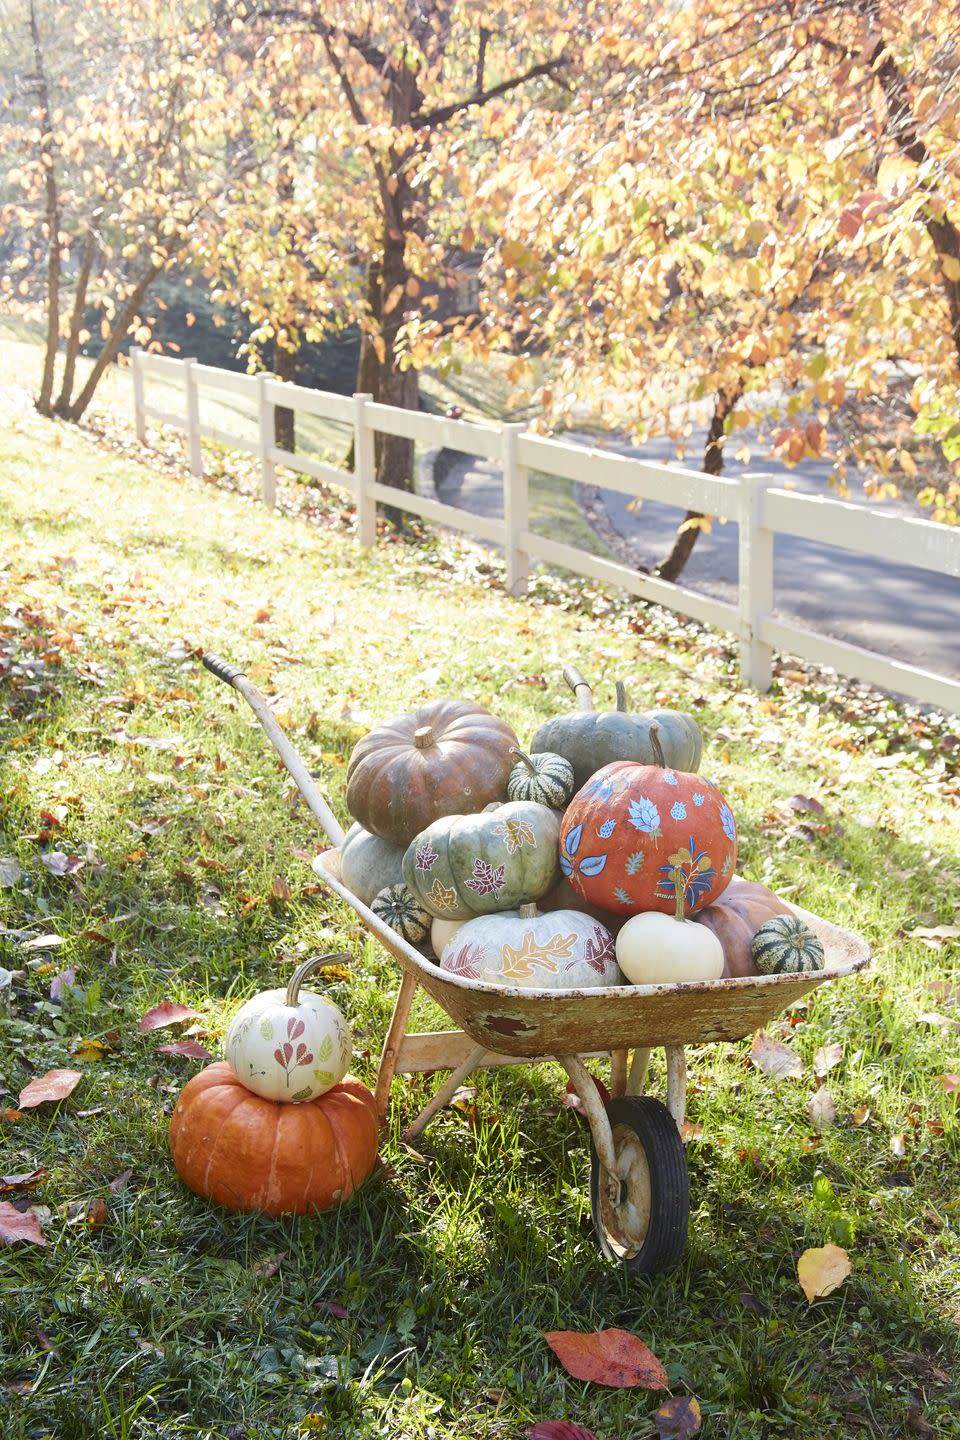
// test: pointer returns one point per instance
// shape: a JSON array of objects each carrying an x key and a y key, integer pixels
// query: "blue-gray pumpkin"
[{"x": 464, "y": 865}]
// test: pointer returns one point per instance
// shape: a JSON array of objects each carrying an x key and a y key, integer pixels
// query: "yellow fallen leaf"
[{"x": 820, "y": 1271}]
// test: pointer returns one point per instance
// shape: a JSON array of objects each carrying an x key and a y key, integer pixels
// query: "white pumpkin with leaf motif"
[{"x": 290, "y": 1045}]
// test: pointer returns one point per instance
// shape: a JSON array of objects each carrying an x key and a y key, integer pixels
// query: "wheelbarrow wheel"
[{"x": 641, "y": 1213}]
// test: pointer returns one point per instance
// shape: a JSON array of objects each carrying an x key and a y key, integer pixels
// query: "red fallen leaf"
[
  {"x": 340, "y": 1312},
  {"x": 16, "y": 1226},
  {"x": 98, "y": 1215},
  {"x": 571, "y": 1100},
  {"x": 774, "y": 1058},
  {"x": 185, "y": 1047},
  {"x": 950, "y": 1083},
  {"x": 678, "y": 1418},
  {"x": 55, "y": 1085},
  {"x": 607, "y": 1357},
  {"x": 558, "y": 1430},
  {"x": 26, "y": 1181},
  {"x": 166, "y": 1014},
  {"x": 97, "y": 936}
]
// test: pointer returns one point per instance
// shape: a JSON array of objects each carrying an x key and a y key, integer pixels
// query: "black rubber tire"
[{"x": 666, "y": 1236}]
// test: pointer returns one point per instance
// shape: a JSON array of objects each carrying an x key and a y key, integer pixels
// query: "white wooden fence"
[{"x": 755, "y": 502}]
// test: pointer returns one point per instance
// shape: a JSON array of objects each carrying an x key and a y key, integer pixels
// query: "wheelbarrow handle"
[{"x": 221, "y": 668}]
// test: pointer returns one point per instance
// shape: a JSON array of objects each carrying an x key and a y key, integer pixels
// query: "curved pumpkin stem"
[
  {"x": 579, "y": 686},
  {"x": 658, "y": 756},
  {"x": 307, "y": 968},
  {"x": 524, "y": 758}
]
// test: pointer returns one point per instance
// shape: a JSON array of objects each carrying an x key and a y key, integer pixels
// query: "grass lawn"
[{"x": 418, "y": 1310}]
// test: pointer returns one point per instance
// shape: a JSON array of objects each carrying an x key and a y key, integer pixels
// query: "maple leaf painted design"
[
  {"x": 486, "y": 879},
  {"x": 516, "y": 833},
  {"x": 598, "y": 951},
  {"x": 426, "y": 856},
  {"x": 520, "y": 963},
  {"x": 465, "y": 962},
  {"x": 442, "y": 898}
]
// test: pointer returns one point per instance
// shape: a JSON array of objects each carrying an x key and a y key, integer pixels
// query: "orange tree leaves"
[{"x": 607, "y": 1357}]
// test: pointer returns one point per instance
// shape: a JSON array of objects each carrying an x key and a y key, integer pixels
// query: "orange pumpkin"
[
  {"x": 247, "y": 1153},
  {"x": 634, "y": 829},
  {"x": 447, "y": 758},
  {"x": 736, "y": 917}
]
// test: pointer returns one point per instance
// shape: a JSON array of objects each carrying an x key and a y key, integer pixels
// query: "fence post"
[
  {"x": 756, "y": 583},
  {"x": 193, "y": 419},
  {"x": 516, "y": 511},
  {"x": 364, "y": 470},
  {"x": 139, "y": 418},
  {"x": 268, "y": 471}
]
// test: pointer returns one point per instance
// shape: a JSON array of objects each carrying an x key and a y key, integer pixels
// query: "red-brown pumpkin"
[
  {"x": 633, "y": 828},
  {"x": 247, "y": 1153},
  {"x": 736, "y": 917},
  {"x": 447, "y": 758}
]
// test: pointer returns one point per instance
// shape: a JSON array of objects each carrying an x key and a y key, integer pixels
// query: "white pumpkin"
[
  {"x": 561, "y": 950},
  {"x": 290, "y": 1045},
  {"x": 658, "y": 949},
  {"x": 442, "y": 931}
]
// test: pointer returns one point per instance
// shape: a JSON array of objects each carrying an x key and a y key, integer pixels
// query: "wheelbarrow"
[{"x": 639, "y": 1189}]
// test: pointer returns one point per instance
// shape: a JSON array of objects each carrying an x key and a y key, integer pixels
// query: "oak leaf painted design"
[{"x": 519, "y": 963}]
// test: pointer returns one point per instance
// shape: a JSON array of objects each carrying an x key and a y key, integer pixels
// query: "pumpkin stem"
[
  {"x": 658, "y": 756},
  {"x": 523, "y": 758},
  {"x": 528, "y": 912},
  {"x": 423, "y": 737},
  {"x": 680, "y": 887},
  {"x": 621, "y": 696},
  {"x": 579, "y": 686},
  {"x": 307, "y": 968}
]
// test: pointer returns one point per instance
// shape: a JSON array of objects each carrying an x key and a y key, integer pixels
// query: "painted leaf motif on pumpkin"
[
  {"x": 645, "y": 816},
  {"x": 323, "y": 1077},
  {"x": 634, "y": 862},
  {"x": 728, "y": 823},
  {"x": 442, "y": 897},
  {"x": 603, "y": 788},
  {"x": 326, "y": 1049},
  {"x": 606, "y": 829},
  {"x": 516, "y": 833},
  {"x": 465, "y": 962},
  {"x": 592, "y": 864},
  {"x": 519, "y": 963},
  {"x": 426, "y": 856},
  {"x": 486, "y": 879},
  {"x": 621, "y": 896},
  {"x": 266, "y": 1029},
  {"x": 599, "y": 950}
]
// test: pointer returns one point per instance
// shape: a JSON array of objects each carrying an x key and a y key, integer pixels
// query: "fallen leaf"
[
  {"x": 558, "y": 1430},
  {"x": 861, "y": 1115},
  {"x": 898, "y": 1146},
  {"x": 805, "y": 803},
  {"x": 950, "y": 1083},
  {"x": 266, "y": 1269},
  {"x": 826, "y": 1058},
  {"x": 939, "y": 934},
  {"x": 55, "y": 1085},
  {"x": 90, "y": 1050},
  {"x": 98, "y": 1215},
  {"x": 121, "y": 1182},
  {"x": 17, "y": 1226},
  {"x": 943, "y": 1022},
  {"x": 43, "y": 942},
  {"x": 10, "y": 871},
  {"x": 166, "y": 1014},
  {"x": 190, "y": 1048},
  {"x": 820, "y": 1271},
  {"x": 821, "y": 1109},
  {"x": 335, "y": 972},
  {"x": 944, "y": 992},
  {"x": 774, "y": 1058},
  {"x": 25, "y": 1181},
  {"x": 678, "y": 1418},
  {"x": 690, "y": 1131},
  {"x": 607, "y": 1357},
  {"x": 333, "y": 1307},
  {"x": 65, "y": 980},
  {"x": 280, "y": 888},
  {"x": 45, "y": 1343}
]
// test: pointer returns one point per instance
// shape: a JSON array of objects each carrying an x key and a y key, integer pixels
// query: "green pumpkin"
[
  {"x": 546, "y": 778},
  {"x": 784, "y": 946},
  {"x": 590, "y": 738},
  {"x": 464, "y": 865},
  {"x": 369, "y": 864},
  {"x": 399, "y": 908}
]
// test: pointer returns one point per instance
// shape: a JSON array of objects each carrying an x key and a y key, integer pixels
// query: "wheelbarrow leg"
[
  {"x": 391, "y": 1045},
  {"x": 618, "y": 1073},
  {"x": 638, "y": 1071},
  {"x": 447, "y": 1090},
  {"x": 676, "y": 1083}
]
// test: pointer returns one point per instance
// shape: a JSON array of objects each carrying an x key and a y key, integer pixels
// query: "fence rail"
[{"x": 760, "y": 508}]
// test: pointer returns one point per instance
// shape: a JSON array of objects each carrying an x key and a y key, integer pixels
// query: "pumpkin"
[
  {"x": 447, "y": 758},
  {"x": 441, "y": 931},
  {"x": 734, "y": 919},
  {"x": 466, "y": 865},
  {"x": 590, "y": 739},
  {"x": 522, "y": 947},
  {"x": 399, "y": 908},
  {"x": 368, "y": 864},
  {"x": 633, "y": 832},
  {"x": 245, "y": 1152},
  {"x": 785, "y": 945},
  {"x": 546, "y": 778},
  {"x": 288, "y": 1045},
  {"x": 654, "y": 948}
]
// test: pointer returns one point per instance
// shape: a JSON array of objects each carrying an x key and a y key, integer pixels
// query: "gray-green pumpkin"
[
  {"x": 546, "y": 778},
  {"x": 590, "y": 738},
  {"x": 398, "y": 907},
  {"x": 784, "y": 946},
  {"x": 369, "y": 864},
  {"x": 465, "y": 865}
]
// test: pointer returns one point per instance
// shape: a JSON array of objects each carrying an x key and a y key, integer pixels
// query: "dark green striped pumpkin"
[
  {"x": 545, "y": 778},
  {"x": 398, "y": 907},
  {"x": 784, "y": 946}
]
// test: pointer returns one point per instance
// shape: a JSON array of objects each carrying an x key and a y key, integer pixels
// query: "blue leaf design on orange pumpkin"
[
  {"x": 607, "y": 829},
  {"x": 592, "y": 864},
  {"x": 728, "y": 823},
  {"x": 678, "y": 811},
  {"x": 644, "y": 816},
  {"x": 572, "y": 843}
]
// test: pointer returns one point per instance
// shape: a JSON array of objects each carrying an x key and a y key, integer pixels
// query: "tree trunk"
[
  {"x": 284, "y": 430},
  {"x": 62, "y": 406},
  {"x": 672, "y": 567},
  {"x": 52, "y": 217},
  {"x": 368, "y": 366},
  {"x": 396, "y": 387},
  {"x": 115, "y": 339}
]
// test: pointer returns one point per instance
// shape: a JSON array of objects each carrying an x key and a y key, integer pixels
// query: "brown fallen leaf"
[
  {"x": 898, "y": 1146},
  {"x": 607, "y": 1357},
  {"x": 678, "y": 1418},
  {"x": 267, "y": 1268},
  {"x": 820, "y": 1271},
  {"x": 689, "y": 1130},
  {"x": 166, "y": 1014},
  {"x": 55, "y": 1085},
  {"x": 26, "y": 1181},
  {"x": 860, "y": 1116},
  {"x": 19, "y": 1226},
  {"x": 191, "y": 1048},
  {"x": 98, "y": 1215},
  {"x": 826, "y": 1058},
  {"x": 950, "y": 1083},
  {"x": 558, "y": 1430},
  {"x": 775, "y": 1059},
  {"x": 938, "y": 934},
  {"x": 821, "y": 1109}
]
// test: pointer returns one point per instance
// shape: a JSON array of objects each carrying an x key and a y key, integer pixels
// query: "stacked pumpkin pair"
[{"x": 278, "y": 1126}]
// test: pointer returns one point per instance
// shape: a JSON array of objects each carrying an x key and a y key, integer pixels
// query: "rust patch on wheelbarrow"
[{"x": 506, "y": 1024}]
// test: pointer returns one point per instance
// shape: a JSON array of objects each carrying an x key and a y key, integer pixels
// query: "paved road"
[{"x": 909, "y": 614}]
